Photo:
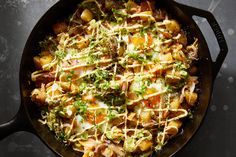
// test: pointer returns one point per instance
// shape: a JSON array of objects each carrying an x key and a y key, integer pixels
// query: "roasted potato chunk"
[
  {"x": 145, "y": 145},
  {"x": 145, "y": 116},
  {"x": 86, "y": 15},
  {"x": 172, "y": 26},
  {"x": 175, "y": 103},
  {"x": 191, "y": 98},
  {"x": 44, "y": 58},
  {"x": 173, "y": 127},
  {"x": 38, "y": 96}
]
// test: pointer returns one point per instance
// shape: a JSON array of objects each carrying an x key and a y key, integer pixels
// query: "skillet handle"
[
  {"x": 217, "y": 31},
  {"x": 18, "y": 123}
]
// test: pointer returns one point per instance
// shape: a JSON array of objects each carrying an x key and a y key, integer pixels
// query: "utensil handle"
[
  {"x": 18, "y": 123},
  {"x": 217, "y": 31}
]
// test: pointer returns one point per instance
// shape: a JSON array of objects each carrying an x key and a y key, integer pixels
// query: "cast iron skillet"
[{"x": 27, "y": 117}]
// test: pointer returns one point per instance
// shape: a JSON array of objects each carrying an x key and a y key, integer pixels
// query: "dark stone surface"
[{"x": 217, "y": 135}]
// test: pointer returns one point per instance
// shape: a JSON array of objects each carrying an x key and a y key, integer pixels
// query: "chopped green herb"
[
  {"x": 140, "y": 85},
  {"x": 62, "y": 136},
  {"x": 82, "y": 86},
  {"x": 104, "y": 86},
  {"x": 80, "y": 106},
  {"x": 112, "y": 114},
  {"x": 138, "y": 57},
  {"x": 119, "y": 13},
  {"x": 84, "y": 136},
  {"x": 60, "y": 54}
]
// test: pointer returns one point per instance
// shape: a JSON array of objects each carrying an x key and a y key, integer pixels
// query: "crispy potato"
[
  {"x": 44, "y": 58},
  {"x": 191, "y": 98},
  {"x": 166, "y": 57},
  {"x": 172, "y": 78},
  {"x": 83, "y": 44},
  {"x": 138, "y": 41},
  {"x": 172, "y": 25},
  {"x": 38, "y": 96},
  {"x": 179, "y": 55},
  {"x": 131, "y": 116},
  {"x": 145, "y": 145},
  {"x": 173, "y": 127},
  {"x": 183, "y": 39},
  {"x": 145, "y": 116},
  {"x": 86, "y": 15},
  {"x": 175, "y": 103}
]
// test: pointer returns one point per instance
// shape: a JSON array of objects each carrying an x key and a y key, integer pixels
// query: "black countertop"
[{"x": 217, "y": 135}]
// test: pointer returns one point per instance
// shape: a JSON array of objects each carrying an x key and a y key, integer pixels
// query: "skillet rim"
[{"x": 22, "y": 78}]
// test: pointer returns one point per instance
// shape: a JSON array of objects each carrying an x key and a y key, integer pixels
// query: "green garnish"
[
  {"x": 60, "y": 54},
  {"x": 80, "y": 106}
]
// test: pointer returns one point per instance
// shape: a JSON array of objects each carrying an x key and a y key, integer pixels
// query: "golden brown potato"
[
  {"x": 86, "y": 15},
  {"x": 175, "y": 103},
  {"x": 172, "y": 77},
  {"x": 44, "y": 58},
  {"x": 138, "y": 41},
  {"x": 183, "y": 39},
  {"x": 191, "y": 98},
  {"x": 83, "y": 44},
  {"x": 145, "y": 145},
  {"x": 179, "y": 55},
  {"x": 173, "y": 126},
  {"x": 176, "y": 123},
  {"x": 38, "y": 96},
  {"x": 166, "y": 57},
  {"x": 172, "y": 25},
  {"x": 145, "y": 116},
  {"x": 131, "y": 116}
]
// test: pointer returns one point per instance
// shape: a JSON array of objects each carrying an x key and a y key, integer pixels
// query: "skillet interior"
[{"x": 62, "y": 10}]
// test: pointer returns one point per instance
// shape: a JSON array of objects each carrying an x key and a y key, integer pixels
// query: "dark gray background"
[{"x": 216, "y": 136}]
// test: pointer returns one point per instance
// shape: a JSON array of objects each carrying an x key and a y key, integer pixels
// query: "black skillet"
[{"x": 27, "y": 117}]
